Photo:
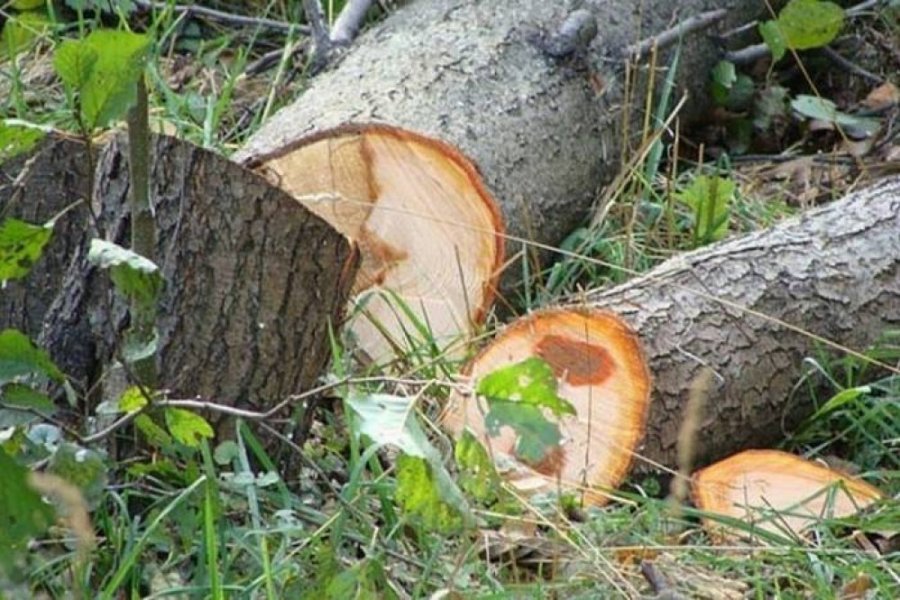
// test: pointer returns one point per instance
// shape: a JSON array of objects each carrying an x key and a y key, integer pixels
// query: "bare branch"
[
  {"x": 349, "y": 21},
  {"x": 222, "y": 17}
]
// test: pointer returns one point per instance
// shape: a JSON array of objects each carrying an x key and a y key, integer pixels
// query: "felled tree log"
[
  {"x": 741, "y": 308},
  {"x": 253, "y": 280},
  {"x": 492, "y": 85}
]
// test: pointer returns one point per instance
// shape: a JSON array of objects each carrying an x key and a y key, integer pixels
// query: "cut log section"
[
  {"x": 429, "y": 233},
  {"x": 600, "y": 370},
  {"x": 776, "y": 492}
]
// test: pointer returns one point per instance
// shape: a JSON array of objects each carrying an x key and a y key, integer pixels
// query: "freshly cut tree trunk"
[
  {"x": 752, "y": 309},
  {"x": 428, "y": 231},
  {"x": 484, "y": 85},
  {"x": 253, "y": 280},
  {"x": 775, "y": 492},
  {"x": 600, "y": 371}
]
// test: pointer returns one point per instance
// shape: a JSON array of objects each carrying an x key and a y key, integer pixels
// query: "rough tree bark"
[
  {"x": 543, "y": 126},
  {"x": 253, "y": 279},
  {"x": 833, "y": 272}
]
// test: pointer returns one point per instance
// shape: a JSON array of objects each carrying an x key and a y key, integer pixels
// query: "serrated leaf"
[
  {"x": 21, "y": 245},
  {"x": 709, "y": 197},
  {"x": 136, "y": 277},
  {"x": 187, "y": 427},
  {"x": 773, "y": 38},
  {"x": 74, "y": 61},
  {"x": 530, "y": 382},
  {"x": 16, "y": 140},
  {"x": 133, "y": 399},
  {"x": 23, "y": 514},
  {"x": 19, "y": 357},
  {"x": 809, "y": 24},
  {"x": 82, "y": 467},
  {"x": 418, "y": 494},
  {"x": 111, "y": 88}
]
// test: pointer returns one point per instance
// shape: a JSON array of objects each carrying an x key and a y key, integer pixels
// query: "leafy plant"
[
  {"x": 801, "y": 25},
  {"x": 709, "y": 197}
]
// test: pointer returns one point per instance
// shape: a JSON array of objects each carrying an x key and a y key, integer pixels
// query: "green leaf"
[
  {"x": 133, "y": 399},
  {"x": 103, "y": 70},
  {"x": 16, "y": 140},
  {"x": 23, "y": 396},
  {"x": 477, "y": 475},
  {"x": 824, "y": 109},
  {"x": 74, "y": 62},
  {"x": 154, "y": 434},
  {"x": 20, "y": 31},
  {"x": 134, "y": 276},
  {"x": 774, "y": 39},
  {"x": 21, "y": 245},
  {"x": 723, "y": 77},
  {"x": 23, "y": 514},
  {"x": 19, "y": 357},
  {"x": 225, "y": 452},
  {"x": 418, "y": 494},
  {"x": 83, "y": 468},
  {"x": 809, "y": 24},
  {"x": 536, "y": 436},
  {"x": 391, "y": 420},
  {"x": 709, "y": 197},
  {"x": 187, "y": 427},
  {"x": 530, "y": 382}
]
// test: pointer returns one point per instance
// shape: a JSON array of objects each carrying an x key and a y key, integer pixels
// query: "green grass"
[{"x": 234, "y": 522}]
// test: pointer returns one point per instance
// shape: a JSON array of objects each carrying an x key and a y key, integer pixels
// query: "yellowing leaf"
[{"x": 187, "y": 427}]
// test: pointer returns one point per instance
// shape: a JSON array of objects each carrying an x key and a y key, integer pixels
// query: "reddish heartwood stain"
[
  {"x": 551, "y": 465},
  {"x": 578, "y": 362}
]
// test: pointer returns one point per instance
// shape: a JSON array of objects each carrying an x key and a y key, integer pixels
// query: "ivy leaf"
[
  {"x": 136, "y": 277},
  {"x": 19, "y": 357},
  {"x": 187, "y": 427},
  {"x": 418, "y": 494},
  {"x": 23, "y": 514},
  {"x": 809, "y": 24},
  {"x": 21, "y": 245}
]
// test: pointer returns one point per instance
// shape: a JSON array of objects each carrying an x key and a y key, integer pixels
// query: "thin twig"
[
  {"x": 222, "y": 17},
  {"x": 833, "y": 56},
  {"x": 350, "y": 21},
  {"x": 673, "y": 34}
]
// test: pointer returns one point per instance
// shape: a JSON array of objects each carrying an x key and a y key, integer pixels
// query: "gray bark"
[
  {"x": 833, "y": 272},
  {"x": 543, "y": 130}
]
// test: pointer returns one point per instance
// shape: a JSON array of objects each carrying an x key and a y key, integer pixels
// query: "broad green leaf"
[
  {"x": 135, "y": 348},
  {"x": 536, "y": 435},
  {"x": 83, "y": 468},
  {"x": 809, "y": 24},
  {"x": 154, "y": 434},
  {"x": 477, "y": 475},
  {"x": 530, "y": 382},
  {"x": 19, "y": 357},
  {"x": 27, "y": 4},
  {"x": 225, "y": 452},
  {"x": 16, "y": 140},
  {"x": 23, "y": 514},
  {"x": 418, "y": 494},
  {"x": 21, "y": 245},
  {"x": 111, "y": 89},
  {"x": 824, "y": 109},
  {"x": 23, "y": 396},
  {"x": 391, "y": 420},
  {"x": 723, "y": 78},
  {"x": 187, "y": 427},
  {"x": 133, "y": 399},
  {"x": 773, "y": 38},
  {"x": 134, "y": 276},
  {"x": 710, "y": 198},
  {"x": 74, "y": 62}
]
